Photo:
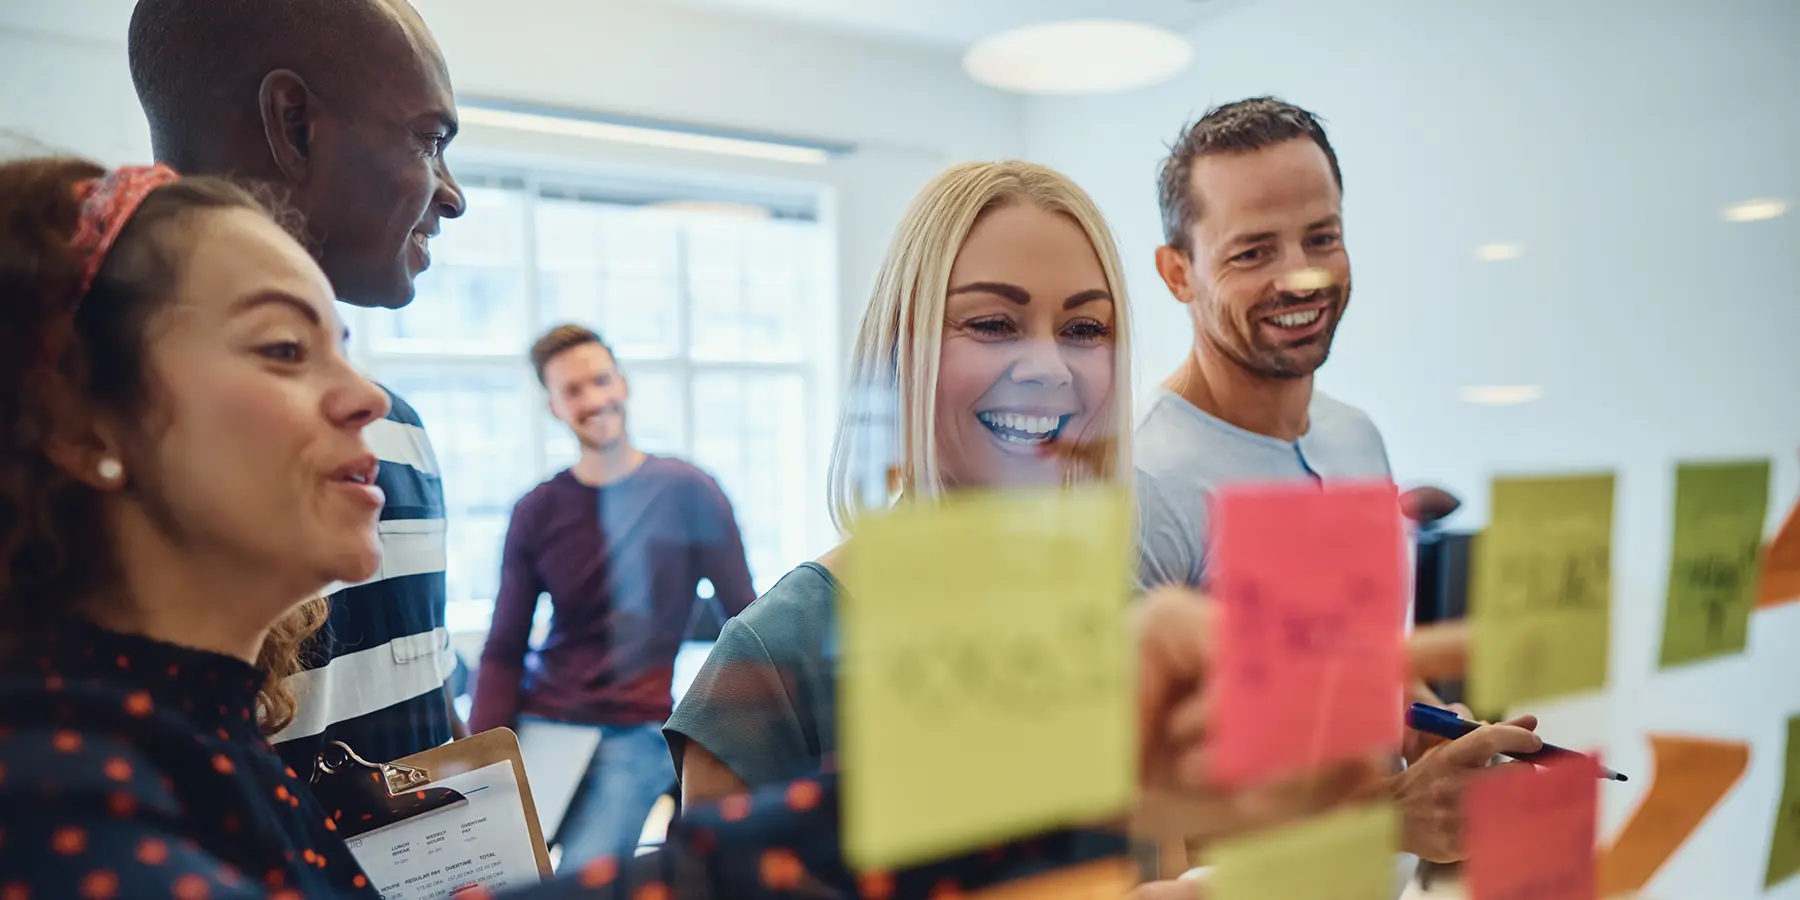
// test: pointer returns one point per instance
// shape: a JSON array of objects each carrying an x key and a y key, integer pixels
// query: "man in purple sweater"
[{"x": 620, "y": 541}]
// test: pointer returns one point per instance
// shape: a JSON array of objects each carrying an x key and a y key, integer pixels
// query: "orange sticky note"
[
  {"x": 1310, "y": 587},
  {"x": 1107, "y": 879},
  {"x": 1690, "y": 776},
  {"x": 1529, "y": 832},
  {"x": 1780, "y": 581}
]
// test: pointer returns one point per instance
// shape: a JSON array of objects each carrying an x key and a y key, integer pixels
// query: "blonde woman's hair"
[{"x": 897, "y": 346}]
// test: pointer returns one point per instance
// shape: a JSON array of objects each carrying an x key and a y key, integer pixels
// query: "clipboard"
[
  {"x": 364, "y": 798},
  {"x": 557, "y": 755}
]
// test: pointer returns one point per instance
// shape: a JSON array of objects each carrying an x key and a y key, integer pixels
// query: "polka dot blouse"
[{"x": 131, "y": 768}]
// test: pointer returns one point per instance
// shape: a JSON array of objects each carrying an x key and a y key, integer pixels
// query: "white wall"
[
  {"x": 68, "y": 93},
  {"x": 1604, "y": 136},
  {"x": 908, "y": 111}
]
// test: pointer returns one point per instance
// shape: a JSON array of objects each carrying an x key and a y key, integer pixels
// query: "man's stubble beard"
[
  {"x": 1267, "y": 362},
  {"x": 619, "y": 440}
]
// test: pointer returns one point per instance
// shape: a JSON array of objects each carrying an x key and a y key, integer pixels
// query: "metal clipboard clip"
[{"x": 362, "y": 796}]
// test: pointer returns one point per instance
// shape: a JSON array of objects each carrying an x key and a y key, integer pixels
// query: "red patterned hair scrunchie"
[{"x": 107, "y": 203}]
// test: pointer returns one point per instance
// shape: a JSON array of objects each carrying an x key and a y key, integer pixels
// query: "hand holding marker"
[{"x": 1446, "y": 724}]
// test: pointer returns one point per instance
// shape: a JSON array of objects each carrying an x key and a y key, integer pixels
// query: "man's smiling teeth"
[
  {"x": 1297, "y": 319},
  {"x": 1022, "y": 429}
]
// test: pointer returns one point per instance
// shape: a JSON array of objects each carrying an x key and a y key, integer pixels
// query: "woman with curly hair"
[{"x": 182, "y": 474}]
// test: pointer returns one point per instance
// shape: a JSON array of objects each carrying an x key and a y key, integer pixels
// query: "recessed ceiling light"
[
  {"x": 1755, "y": 210},
  {"x": 1081, "y": 56},
  {"x": 595, "y": 129},
  {"x": 1501, "y": 394},
  {"x": 1499, "y": 252}
]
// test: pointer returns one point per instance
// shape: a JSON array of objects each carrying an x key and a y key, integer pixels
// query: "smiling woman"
[
  {"x": 1000, "y": 305},
  {"x": 1034, "y": 372},
  {"x": 997, "y": 338}
]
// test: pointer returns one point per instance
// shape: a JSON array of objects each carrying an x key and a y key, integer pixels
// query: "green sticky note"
[
  {"x": 986, "y": 677},
  {"x": 1344, "y": 855},
  {"x": 1784, "y": 849},
  {"x": 1719, "y": 512},
  {"x": 1540, "y": 591}
]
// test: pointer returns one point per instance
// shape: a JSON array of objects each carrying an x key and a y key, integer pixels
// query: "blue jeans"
[{"x": 629, "y": 770}]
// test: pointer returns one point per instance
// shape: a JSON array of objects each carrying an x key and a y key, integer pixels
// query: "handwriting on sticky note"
[
  {"x": 1038, "y": 667},
  {"x": 1343, "y": 855},
  {"x": 1690, "y": 776},
  {"x": 985, "y": 686},
  {"x": 1719, "y": 512},
  {"x": 1784, "y": 847},
  {"x": 1530, "y": 832},
  {"x": 1309, "y": 654},
  {"x": 1541, "y": 590},
  {"x": 1780, "y": 580}
]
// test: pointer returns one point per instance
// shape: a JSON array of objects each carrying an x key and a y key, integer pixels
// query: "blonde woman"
[{"x": 999, "y": 317}]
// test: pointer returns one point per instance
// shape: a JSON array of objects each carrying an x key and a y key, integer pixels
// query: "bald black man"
[{"x": 344, "y": 108}]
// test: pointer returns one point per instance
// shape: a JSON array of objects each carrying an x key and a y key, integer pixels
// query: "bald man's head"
[{"x": 345, "y": 103}]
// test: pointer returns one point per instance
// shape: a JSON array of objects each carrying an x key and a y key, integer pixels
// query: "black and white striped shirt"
[{"x": 376, "y": 674}]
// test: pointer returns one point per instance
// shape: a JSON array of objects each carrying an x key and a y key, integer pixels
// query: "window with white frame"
[{"x": 718, "y": 311}]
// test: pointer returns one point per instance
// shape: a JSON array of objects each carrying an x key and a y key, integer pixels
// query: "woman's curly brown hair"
[{"x": 58, "y": 351}]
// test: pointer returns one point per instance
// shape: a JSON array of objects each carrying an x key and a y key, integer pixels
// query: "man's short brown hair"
[
  {"x": 560, "y": 339},
  {"x": 1232, "y": 128}
]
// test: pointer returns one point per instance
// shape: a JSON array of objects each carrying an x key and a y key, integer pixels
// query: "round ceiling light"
[{"x": 1083, "y": 56}]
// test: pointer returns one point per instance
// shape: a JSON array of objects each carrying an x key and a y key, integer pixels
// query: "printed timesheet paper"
[{"x": 483, "y": 842}]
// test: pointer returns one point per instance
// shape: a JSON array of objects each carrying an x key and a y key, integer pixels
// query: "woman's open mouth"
[{"x": 1022, "y": 428}]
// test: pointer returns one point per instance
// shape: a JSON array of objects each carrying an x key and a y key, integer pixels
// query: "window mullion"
[
  {"x": 684, "y": 335},
  {"x": 540, "y": 455}
]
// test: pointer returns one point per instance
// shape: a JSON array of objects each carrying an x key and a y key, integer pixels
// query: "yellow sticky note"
[
  {"x": 985, "y": 679},
  {"x": 1345, "y": 855},
  {"x": 1313, "y": 279},
  {"x": 1784, "y": 847},
  {"x": 1719, "y": 512},
  {"x": 1540, "y": 592}
]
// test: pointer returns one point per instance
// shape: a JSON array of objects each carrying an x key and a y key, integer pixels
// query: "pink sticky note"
[
  {"x": 1309, "y": 653},
  {"x": 1529, "y": 832}
]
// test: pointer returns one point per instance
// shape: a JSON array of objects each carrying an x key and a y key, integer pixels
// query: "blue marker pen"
[{"x": 1446, "y": 724}]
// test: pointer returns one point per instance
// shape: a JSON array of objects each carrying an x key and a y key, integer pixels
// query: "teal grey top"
[
  {"x": 765, "y": 701},
  {"x": 1183, "y": 454}
]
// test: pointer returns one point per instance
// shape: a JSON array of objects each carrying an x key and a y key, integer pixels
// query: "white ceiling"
[
  {"x": 951, "y": 23},
  {"x": 944, "y": 24}
]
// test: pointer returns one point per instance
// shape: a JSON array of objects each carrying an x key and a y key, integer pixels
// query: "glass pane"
[
  {"x": 479, "y": 419},
  {"x": 653, "y": 417},
  {"x": 472, "y": 299},
  {"x": 753, "y": 283},
  {"x": 474, "y": 542},
  {"x": 750, "y": 434},
  {"x": 614, "y": 267}
]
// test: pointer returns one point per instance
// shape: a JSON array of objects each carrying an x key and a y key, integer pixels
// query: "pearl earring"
[{"x": 110, "y": 469}]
